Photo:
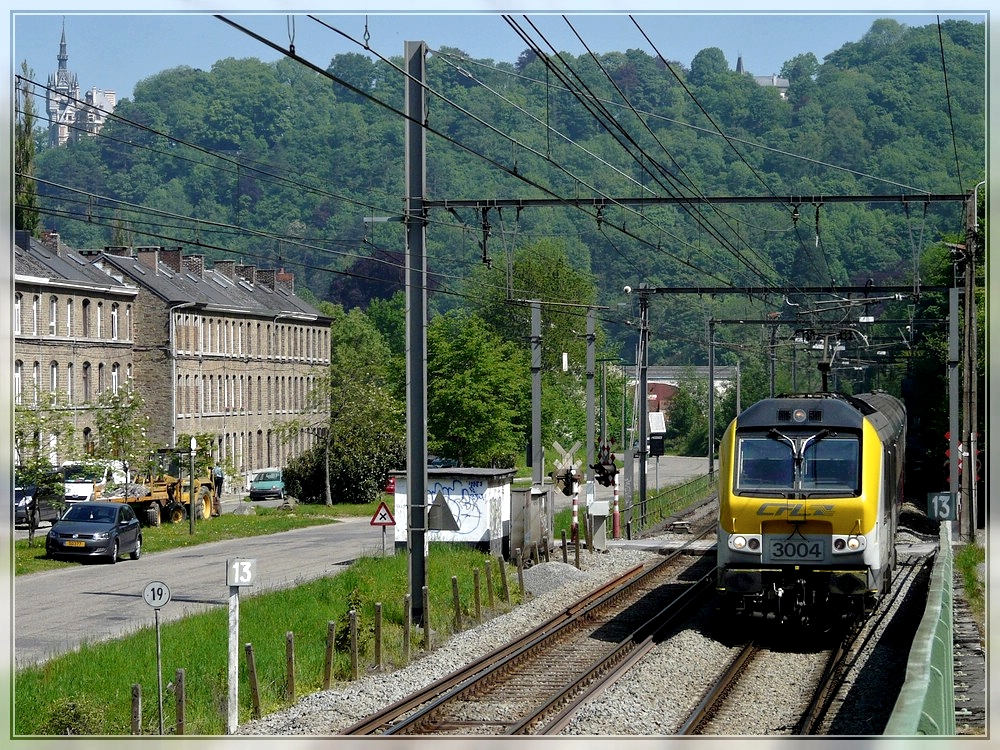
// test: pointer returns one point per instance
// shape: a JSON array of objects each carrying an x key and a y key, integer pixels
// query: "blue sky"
[{"x": 111, "y": 46}]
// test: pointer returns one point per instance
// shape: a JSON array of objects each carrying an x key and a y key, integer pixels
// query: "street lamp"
[{"x": 194, "y": 449}]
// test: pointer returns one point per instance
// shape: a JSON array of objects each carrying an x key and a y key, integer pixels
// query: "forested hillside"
[{"x": 280, "y": 165}]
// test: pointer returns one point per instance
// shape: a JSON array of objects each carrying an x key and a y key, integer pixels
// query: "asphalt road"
[{"x": 57, "y": 611}]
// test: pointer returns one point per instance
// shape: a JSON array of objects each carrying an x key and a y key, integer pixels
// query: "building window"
[
  {"x": 128, "y": 322},
  {"x": 85, "y": 382},
  {"x": 100, "y": 319},
  {"x": 35, "y": 375},
  {"x": 53, "y": 377},
  {"x": 35, "y": 302},
  {"x": 17, "y": 314},
  {"x": 114, "y": 377},
  {"x": 53, "y": 315},
  {"x": 69, "y": 317},
  {"x": 100, "y": 378},
  {"x": 114, "y": 321},
  {"x": 85, "y": 311},
  {"x": 18, "y": 381},
  {"x": 69, "y": 383}
]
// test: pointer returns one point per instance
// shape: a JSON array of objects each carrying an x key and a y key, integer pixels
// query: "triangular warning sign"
[
  {"x": 382, "y": 516},
  {"x": 440, "y": 517}
]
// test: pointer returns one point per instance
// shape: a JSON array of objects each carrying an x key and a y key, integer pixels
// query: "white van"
[{"x": 85, "y": 482}]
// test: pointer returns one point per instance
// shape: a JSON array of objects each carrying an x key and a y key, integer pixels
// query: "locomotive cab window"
[{"x": 767, "y": 466}]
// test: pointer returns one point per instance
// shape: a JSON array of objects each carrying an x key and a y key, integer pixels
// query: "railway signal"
[{"x": 605, "y": 473}]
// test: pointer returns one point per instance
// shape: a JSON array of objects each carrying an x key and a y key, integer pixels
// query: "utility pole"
[
  {"x": 537, "y": 455},
  {"x": 970, "y": 373},
  {"x": 416, "y": 325},
  {"x": 643, "y": 408},
  {"x": 591, "y": 427}
]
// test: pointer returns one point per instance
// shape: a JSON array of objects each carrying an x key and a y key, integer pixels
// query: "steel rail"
[
  {"x": 395, "y": 710},
  {"x": 607, "y": 670},
  {"x": 418, "y": 707}
]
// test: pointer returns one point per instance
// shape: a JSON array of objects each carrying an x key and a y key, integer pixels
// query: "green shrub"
[{"x": 72, "y": 715}]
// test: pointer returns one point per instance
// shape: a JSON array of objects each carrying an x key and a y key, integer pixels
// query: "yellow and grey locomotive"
[{"x": 809, "y": 494}]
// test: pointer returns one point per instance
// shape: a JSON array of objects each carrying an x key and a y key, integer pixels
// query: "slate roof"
[
  {"x": 66, "y": 268},
  {"x": 212, "y": 290}
]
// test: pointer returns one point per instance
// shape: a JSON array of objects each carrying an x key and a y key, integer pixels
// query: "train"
[{"x": 810, "y": 488}]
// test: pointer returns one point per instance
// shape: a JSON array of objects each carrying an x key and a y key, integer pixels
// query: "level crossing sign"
[{"x": 382, "y": 516}]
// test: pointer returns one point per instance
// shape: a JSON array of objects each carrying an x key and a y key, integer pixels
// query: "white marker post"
[
  {"x": 239, "y": 572},
  {"x": 156, "y": 594}
]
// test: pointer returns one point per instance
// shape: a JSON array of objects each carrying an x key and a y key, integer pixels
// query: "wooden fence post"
[
  {"x": 478, "y": 596},
  {"x": 458, "y": 603},
  {"x": 425, "y": 594},
  {"x": 576, "y": 553},
  {"x": 545, "y": 543},
  {"x": 378, "y": 636},
  {"x": 519, "y": 557},
  {"x": 503, "y": 580},
  {"x": 136, "y": 708},
  {"x": 353, "y": 617},
  {"x": 564, "y": 549},
  {"x": 179, "y": 701},
  {"x": 331, "y": 637},
  {"x": 489, "y": 584},
  {"x": 290, "y": 666},
  {"x": 252, "y": 678},
  {"x": 407, "y": 628}
]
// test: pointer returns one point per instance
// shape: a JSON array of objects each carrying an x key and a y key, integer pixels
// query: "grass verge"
[
  {"x": 967, "y": 562},
  {"x": 89, "y": 691}
]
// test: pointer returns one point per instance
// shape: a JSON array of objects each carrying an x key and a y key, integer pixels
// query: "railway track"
[
  {"x": 531, "y": 686},
  {"x": 800, "y": 680}
]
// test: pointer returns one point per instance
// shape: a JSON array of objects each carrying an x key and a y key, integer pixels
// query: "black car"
[
  {"x": 95, "y": 529},
  {"x": 41, "y": 498}
]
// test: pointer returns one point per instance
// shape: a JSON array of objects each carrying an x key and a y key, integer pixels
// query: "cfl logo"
[{"x": 774, "y": 510}]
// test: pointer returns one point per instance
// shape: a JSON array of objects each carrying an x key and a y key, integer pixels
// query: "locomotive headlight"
[
  {"x": 799, "y": 415},
  {"x": 848, "y": 543},
  {"x": 744, "y": 543}
]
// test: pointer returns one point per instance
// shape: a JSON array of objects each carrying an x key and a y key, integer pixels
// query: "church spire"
[{"x": 63, "y": 57}]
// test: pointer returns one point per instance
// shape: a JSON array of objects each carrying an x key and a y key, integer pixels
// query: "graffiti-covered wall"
[{"x": 473, "y": 507}]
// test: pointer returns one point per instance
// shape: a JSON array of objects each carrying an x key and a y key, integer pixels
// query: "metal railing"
[{"x": 926, "y": 703}]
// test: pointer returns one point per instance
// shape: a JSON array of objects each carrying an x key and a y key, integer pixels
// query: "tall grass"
[
  {"x": 89, "y": 691},
  {"x": 967, "y": 561}
]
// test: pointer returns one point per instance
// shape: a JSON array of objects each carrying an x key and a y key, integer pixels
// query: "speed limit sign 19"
[{"x": 156, "y": 594}]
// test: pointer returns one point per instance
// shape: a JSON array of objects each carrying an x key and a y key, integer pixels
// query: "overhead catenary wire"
[{"x": 569, "y": 202}]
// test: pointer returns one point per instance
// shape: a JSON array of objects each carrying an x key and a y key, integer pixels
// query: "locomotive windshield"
[{"x": 766, "y": 464}]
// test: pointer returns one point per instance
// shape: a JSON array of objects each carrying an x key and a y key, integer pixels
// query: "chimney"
[
  {"x": 265, "y": 278},
  {"x": 148, "y": 257},
  {"x": 195, "y": 264},
  {"x": 50, "y": 240},
  {"x": 285, "y": 280},
  {"x": 171, "y": 258},
  {"x": 247, "y": 273},
  {"x": 225, "y": 268},
  {"x": 122, "y": 251},
  {"x": 22, "y": 238}
]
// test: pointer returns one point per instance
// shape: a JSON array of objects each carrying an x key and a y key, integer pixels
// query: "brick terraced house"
[{"x": 229, "y": 351}]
